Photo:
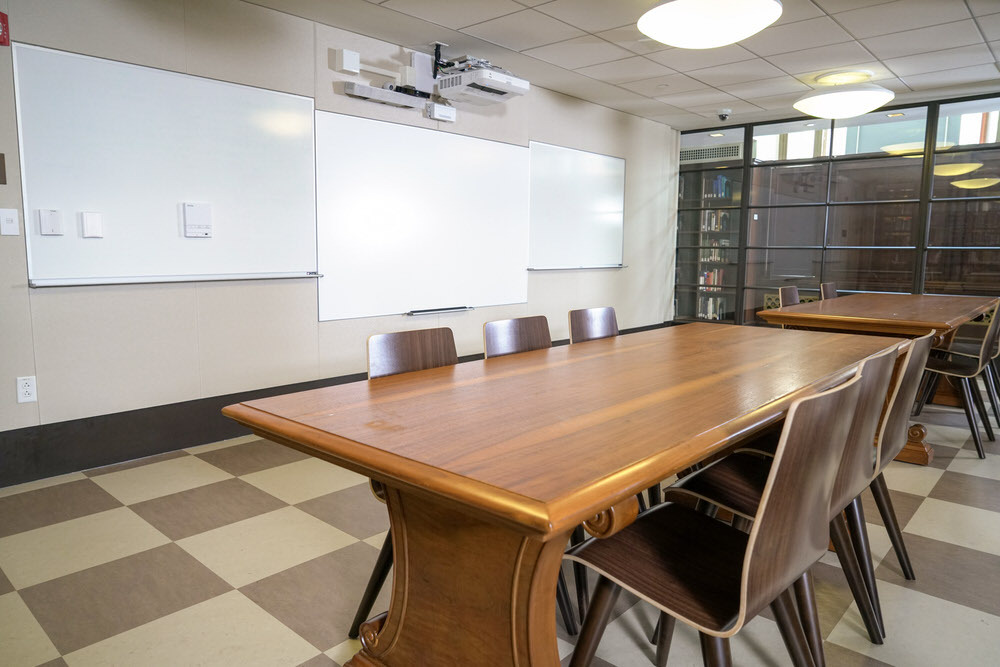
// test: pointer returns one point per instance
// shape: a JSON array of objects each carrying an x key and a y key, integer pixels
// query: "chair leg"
[
  {"x": 715, "y": 651},
  {"x": 642, "y": 501},
  {"x": 845, "y": 554},
  {"x": 664, "y": 633},
  {"x": 565, "y": 607},
  {"x": 805, "y": 596},
  {"x": 580, "y": 576},
  {"x": 605, "y": 595},
  {"x": 742, "y": 523},
  {"x": 977, "y": 398},
  {"x": 655, "y": 495},
  {"x": 884, "y": 503},
  {"x": 967, "y": 402},
  {"x": 379, "y": 573},
  {"x": 855, "y": 515},
  {"x": 991, "y": 391},
  {"x": 923, "y": 387},
  {"x": 928, "y": 393},
  {"x": 791, "y": 630}
]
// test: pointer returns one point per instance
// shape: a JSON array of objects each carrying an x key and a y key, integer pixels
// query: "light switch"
[
  {"x": 8, "y": 222},
  {"x": 92, "y": 224},
  {"x": 197, "y": 220},
  {"x": 49, "y": 222}
]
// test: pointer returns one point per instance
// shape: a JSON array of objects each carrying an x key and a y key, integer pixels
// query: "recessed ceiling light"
[
  {"x": 956, "y": 168},
  {"x": 706, "y": 24},
  {"x": 844, "y": 101},
  {"x": 717, "y": 134},
  {"x": 975, "y": 183},
  {"x": 908, "y": 148},
  {"x": 894, "y": 115},
  {"x": 843, "y": 77},
  {"x": 810, "y": 124}
]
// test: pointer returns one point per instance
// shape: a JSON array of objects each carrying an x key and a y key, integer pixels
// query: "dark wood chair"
[
  {"x": 592, "y": 323},
  {"x": 788, "y": 296},
  {"x": 715, "y": 577},
  {"x": 521, "y": 334},
  {"x": 828, "y": 290}
]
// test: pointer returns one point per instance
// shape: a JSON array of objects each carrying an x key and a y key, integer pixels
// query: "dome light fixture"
[
  {"x": 976, "y": 183},
  {"x": 844, "y": 101},
  {"x": 956, "y": 168},
  {"x": 707, "y": 24},
  {"x": 842, "y": 77},
  {"x": 914, "y": 148}
]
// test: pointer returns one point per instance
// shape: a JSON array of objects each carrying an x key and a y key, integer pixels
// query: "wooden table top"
[
  {"x": 902, "y": 314},
  {"x": 545, "y": 439}
]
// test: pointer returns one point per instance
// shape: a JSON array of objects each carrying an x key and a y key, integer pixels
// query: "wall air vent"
[{"x": 722, "y": 152}]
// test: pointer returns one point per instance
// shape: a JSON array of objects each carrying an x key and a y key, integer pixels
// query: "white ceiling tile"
[
  {"x": 777, "y": 102},
  {"x": 664, "y": 85},
  {"x": 981, "y": 7},
  {"x": 796, "y": 36},
  {"x": 766, "y": 87},
  {"x": 995, "y": 47},
  {"x": 454, "y": 14},
  {"x": 747, "y": 70},
  {"x": 523, "y": 30},
  {"x": 735, "y": 108},
  {"x": 954, "y": 77},
  {"x": 629, "y": 37},
  {"x": 963, "y": 56},
  {"x": 901, "y": 15},
  {"x": 645, "y": 107},
  {"x": 684, "y": 60},
  {"x": 699, "y": 98},
  {"x": 821, "y": 58},
  {"x": 909, "y": 42},
  {"x": 597, "y": 15},
  {"x": 834, "y": 6},
  {"x": 531, "y": 3},
  {"x": 579, "y": 52},
  {"x": 681, "y": 121},
  {"x": 797, "y": 10},
  {"x": 990, "y": 25},
  {"x": 894, "y": 84},
  {"x": 623, "y": 71}
]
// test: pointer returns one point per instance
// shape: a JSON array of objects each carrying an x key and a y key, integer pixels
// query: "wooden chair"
[
  {"x": 592, "y": 323},
  {"x": 715, "y": 577},
  {"x": 522, "y": 334},
  {"x": 788, "y": 296},
  {"x": 828, "y": 291}
]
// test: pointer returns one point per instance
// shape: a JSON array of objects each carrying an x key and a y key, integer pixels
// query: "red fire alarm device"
[{"x": 4, "y": 30}]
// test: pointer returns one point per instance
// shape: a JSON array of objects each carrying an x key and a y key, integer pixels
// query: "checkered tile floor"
[{"x": 247, "y": 553}]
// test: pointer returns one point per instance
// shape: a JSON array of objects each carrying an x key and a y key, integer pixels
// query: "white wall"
[{"x": 99, "y": 350}]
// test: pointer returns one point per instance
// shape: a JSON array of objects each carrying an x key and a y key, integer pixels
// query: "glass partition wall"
[{"x": 855, "y": 202}]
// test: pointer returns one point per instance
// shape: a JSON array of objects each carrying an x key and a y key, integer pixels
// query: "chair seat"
[
  {"x": 682, "y": 561},
  {"x": 954, "y": 365},
  {"x": 735, "y": 483}
]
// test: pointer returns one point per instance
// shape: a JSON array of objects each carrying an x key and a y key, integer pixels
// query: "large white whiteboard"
[
  {"x": 414, "y": 219},
  {"x": 132, "y": 143},
  {"x": 577, "y": 208}
]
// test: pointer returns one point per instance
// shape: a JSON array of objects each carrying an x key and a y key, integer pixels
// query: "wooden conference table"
[
  {"x": 909, "y": 315},
  {"x": 488, "y": 466}
]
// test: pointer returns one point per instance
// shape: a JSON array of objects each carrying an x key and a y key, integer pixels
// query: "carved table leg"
[
  {"x": 916, "y": 450},
  {"x": 465, "y": 591}
]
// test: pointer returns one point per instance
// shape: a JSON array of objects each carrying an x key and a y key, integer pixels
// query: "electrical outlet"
[{"x": 26, "y": 389}]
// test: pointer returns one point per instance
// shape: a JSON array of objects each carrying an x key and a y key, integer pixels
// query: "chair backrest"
[
  {"x": 791, "y": 531},
  {"x": 906, "y": 381},
  {"x": 521, "y": 334},
  {"x": 788, "y": 296},
  {"x": 991, "y": 340},
  {"x": 406, "y": 351},
  {"x": 592, "y": 323},
  {"x": 828, "y": 290},
  {"x": 856, "y": 465}
]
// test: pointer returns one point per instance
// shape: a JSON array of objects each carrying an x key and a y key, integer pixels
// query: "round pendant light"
[
  {"x": 707, "y": 24},
  {"x": 976, "y": 183},
  {"x": 844, "y": 101},
  {"x": 956, "y": 168}
]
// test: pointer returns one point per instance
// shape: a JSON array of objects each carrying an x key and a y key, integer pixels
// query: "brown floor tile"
[
  {"x": 319, "y": 598},
  {"x": 970, "y": 490},
  {"x": 128, "y": 465},
  {"x": 5, "y": 585},
  {"x": 988, "y": 447},
  {"x": 833, "y": 596},
  {"x": 948, "y": 571},
  {"x": 86, "y": 607},
  {"x": 838, "y": 656},
  {"x": 904, "y": 504},
  {"x": 353, "y": 510},
  {"x": 197, "y": 510},
  {"x": 53, "y": 504},
  {"x": 58, "y": 662},
  {"x": 943, "y": 455},
  {"x": 321, "y": 660},
  {"x": 252, "y": 457}
]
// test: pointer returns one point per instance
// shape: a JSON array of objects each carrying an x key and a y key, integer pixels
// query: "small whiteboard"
[
  {"x": 132, "y": 145},
  {"x": 577, "y": 208},
  {"x": 415, "y": 219}
]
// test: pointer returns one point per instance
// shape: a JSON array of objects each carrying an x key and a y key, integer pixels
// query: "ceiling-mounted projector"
[{"x": 476, "y": 81}]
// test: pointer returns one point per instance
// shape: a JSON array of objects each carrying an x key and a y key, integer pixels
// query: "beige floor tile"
[
  {"x": 159, "y": 479},
  {"x": 254, "y": 548},
  {"x": 304, "y": 480},
  {"x": 923, "y": 630},
  {"x": 343, "y": 652},
  {"x": 968, "y": 463},
  {"x": 222, "y": 444},
  {"x": 40, "y": 484},
  {"x": 377, "y": 540},
  {"x": 22, "y": 640},
  {"x": 53, "y": 551},
  {"x": 918, "y": 480},
  {"x": 226, "y": 630},
  {"x": 969, "y": 527}
]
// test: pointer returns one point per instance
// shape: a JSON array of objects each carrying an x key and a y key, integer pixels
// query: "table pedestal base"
[
  {"x": 466, "y": 591},
  {"x": 916, "y": 449}
]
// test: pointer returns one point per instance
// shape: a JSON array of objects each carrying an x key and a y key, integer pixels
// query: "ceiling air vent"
[{"x": 712, "y": 153}]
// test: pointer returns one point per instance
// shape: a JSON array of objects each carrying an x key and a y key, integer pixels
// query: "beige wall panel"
[
  {"x": 243, "y": 43},
  {"x": 145, "y": 32},
  {"x": 107, "y": 349},
  {"x": 254, "y": 334}
]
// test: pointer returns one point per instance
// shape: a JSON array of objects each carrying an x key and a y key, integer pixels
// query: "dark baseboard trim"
[{"x": 36, "y": 452}]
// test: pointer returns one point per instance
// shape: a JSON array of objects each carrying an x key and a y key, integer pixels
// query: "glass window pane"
[
  {"x": 963, "y": 272},
  {"x": 875, "y": 180},
  {"x": 872, "y": 225},
  {"x": 965, "y": 223},
  {"x": 714, "y": 148},
  {"x": 969, "y": 123},
  {"x": 707, "y": 303},
  {"x": 756, "y": 300},
  {"x": 777, "y": 267},
  {"x": 773, "y": 185},
  {"x": 795, "y": 140},
  {"x": 715, "y": 187},
  {"x": 870, "y": 270},
  {"x": 794, "y": 226},
  {"x": 967, "y": 174},
  {"x": 709, "y": 228},
  {"x": 894, "y": 132},
  {"x": 706, "y": 266}
]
